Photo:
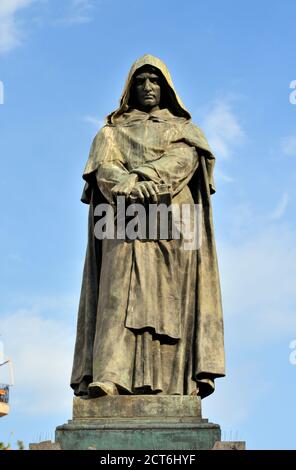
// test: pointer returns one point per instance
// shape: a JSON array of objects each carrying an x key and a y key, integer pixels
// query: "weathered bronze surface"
[
  {"x": 135, "y": 406},
  {"x": 150, "y": 316},
  {"x": 137, "y": 422}
]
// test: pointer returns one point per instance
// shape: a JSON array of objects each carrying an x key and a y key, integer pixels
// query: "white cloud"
[
  {"x": 281, "y": 207},
  {"x": 235, "y": 397},
  {"x": 258, "y": 278},
  {"x": 15, "y": 257},
  {"x": 41, "y": 350},
  {"x": 258, "y": 284},
  {"x": 223, "y": 176},
  {"x": 289, "y": 146},
  {"x": 10, "y": 32},
  {"x": 222, "y": 128},
  {"x": 79, "y": 12},
  {"x": 73, "y": 19},
  {"x": 82, "y": 3},
  {"x": 98, "y": 123}
]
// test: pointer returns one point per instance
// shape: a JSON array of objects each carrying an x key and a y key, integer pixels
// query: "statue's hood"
[{"x": 147, "y": 59}]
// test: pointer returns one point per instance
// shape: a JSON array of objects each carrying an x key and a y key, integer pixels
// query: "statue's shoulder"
[
  {"x": 102, "y": 136},
  {"x": 193, "y": 129},
  {"x": 195, "y": 135}
]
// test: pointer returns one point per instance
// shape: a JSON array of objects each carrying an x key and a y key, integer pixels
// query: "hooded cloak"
[{"x": 164, "y": 336}]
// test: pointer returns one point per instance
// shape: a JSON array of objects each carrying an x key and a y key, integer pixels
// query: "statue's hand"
[
  {"x": 125, "y": 186},
  {"x": 145, "y": 189}
]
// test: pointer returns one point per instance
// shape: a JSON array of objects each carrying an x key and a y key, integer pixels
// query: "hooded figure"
[{"x": 150, "y": 315}]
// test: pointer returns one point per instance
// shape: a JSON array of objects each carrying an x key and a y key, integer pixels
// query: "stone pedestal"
[{"x": 138, "y": 422}]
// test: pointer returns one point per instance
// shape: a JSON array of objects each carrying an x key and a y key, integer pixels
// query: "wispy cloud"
[
  {"x": 79, "y": 12},
  {"x": 258, "y": 277},
  {"x": 223, "y": 176},
  {"x": 95, "y": 121},
  {"x": 281, "y": 207},
  {"x": 234, "y": 399},
  {"x": 289, "y": 146},
  {"x": 11, "y": 34},
  {"x": 41, "y": 350},
  {"x": 222, "y": 129},
  {"x": 15, "y": 257},
  {"x": 258, "y": 283}
]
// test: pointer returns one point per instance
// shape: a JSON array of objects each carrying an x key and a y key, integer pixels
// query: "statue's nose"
[{"x": 147, "y": 84}]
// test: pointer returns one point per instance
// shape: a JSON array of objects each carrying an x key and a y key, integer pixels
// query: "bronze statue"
[{"x": 150, "y": 315}]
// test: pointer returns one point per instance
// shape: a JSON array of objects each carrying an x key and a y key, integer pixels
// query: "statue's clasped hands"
[
  {"x": 129, "y": 186},
  {"x": 145, "y": 190}
]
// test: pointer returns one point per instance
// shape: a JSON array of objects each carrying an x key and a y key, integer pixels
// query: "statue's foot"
[{"x": 99, "y": 389}]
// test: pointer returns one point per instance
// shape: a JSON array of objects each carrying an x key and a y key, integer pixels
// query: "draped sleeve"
[{"x": 175, "y": 168}]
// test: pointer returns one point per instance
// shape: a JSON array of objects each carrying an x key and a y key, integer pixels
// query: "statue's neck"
[{"x": 148, "y": 109}]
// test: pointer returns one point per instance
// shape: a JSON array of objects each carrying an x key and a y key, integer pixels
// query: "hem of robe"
[
  {"x": 205, "y": 387},
  {"x": 187, "y": 385}
]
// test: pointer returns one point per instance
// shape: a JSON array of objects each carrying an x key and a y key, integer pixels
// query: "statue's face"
[{"x": 147, "y": 90}]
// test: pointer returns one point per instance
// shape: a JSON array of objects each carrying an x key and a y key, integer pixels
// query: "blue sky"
[{"x": 63, "y": 64}]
